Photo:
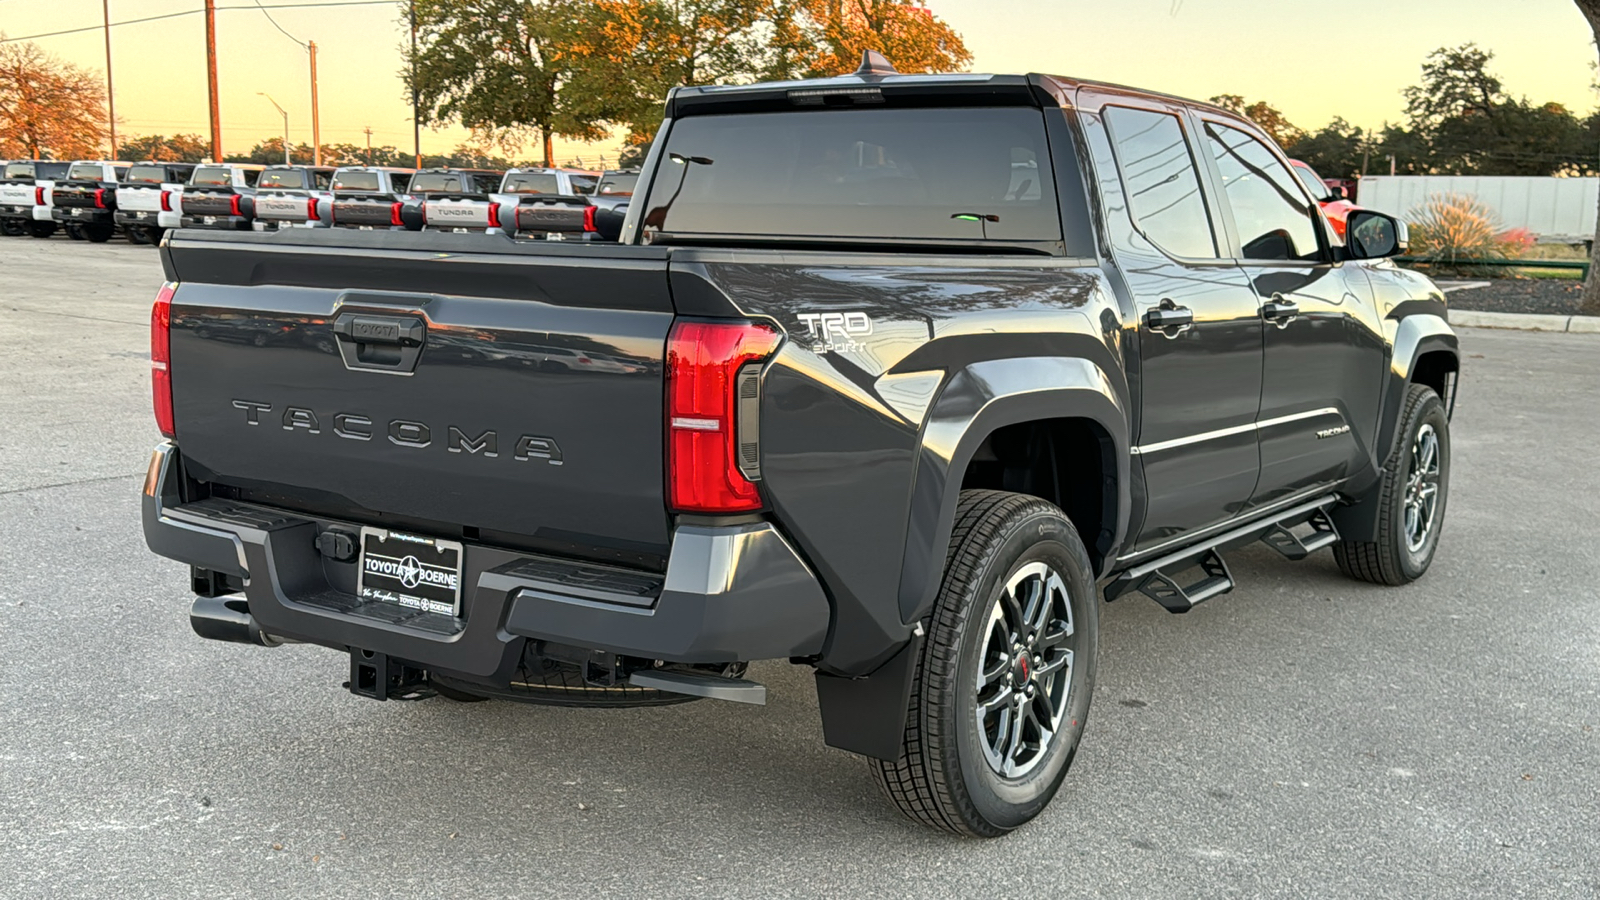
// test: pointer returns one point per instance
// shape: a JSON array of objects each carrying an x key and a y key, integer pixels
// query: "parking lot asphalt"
[{"x": 1303, "y": 736}]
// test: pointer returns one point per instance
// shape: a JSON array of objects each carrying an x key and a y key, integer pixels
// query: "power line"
[
  {"x": 276, "y": 25},
  {"x": 195, "y": 12}
]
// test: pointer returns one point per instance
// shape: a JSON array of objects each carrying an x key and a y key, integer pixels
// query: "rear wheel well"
[
  {"x": 1069, "y": 462},
  {"x": 1437, "y": 369}
]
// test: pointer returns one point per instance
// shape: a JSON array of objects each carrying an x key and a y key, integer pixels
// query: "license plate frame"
[
  {"x": 410, "y": 571},
  {"x": 208, "y": 220}
]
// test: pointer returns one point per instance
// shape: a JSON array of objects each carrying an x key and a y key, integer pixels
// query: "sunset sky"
[{"x": 1313, "y": 60}]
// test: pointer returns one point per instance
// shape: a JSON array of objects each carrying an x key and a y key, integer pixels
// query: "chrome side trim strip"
[{"x": 1237, "y": 429}]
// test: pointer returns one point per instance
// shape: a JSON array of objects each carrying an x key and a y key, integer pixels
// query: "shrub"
[
  {"x": 1450, "y": 227},
  {"x": 1515, "y": 242}
]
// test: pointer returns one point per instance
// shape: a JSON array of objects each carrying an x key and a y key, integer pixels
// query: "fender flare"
[{"x": 867, "y": 715}]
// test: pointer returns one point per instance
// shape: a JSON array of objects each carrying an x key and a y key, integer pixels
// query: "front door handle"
[
  {"x": 1279, "y": 309},
  {"x": 1168, "y": 316}
]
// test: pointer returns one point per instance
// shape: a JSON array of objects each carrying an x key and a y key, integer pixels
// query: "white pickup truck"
[
  {"x": 150, "y": 198},
  {"x": 86, "y": 202},
  {"x": 293, "y": 197},
  {"x": 27, "y": 194},
  {"x": 371, "y": 198},
  {"x": 527, "y": 201},
  {"x": 221, "y": 196}
]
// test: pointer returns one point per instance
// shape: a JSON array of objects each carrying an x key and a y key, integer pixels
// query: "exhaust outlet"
[{"x": 228, "y": 619}]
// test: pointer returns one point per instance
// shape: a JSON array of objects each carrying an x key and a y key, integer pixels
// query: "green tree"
[
  {"x": 500, "y": 66},
  {"x": 1264, "y": 114},
  {"x": 1591, "y": 287},
  {"x": 178, "y": 148},
  {"x": 1337, "y": 150}
]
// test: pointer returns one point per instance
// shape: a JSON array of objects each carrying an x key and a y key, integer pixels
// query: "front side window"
[
  {"x": 957, "y": 174},
  {"x": 1161, "y": 181},
  {"x": 1269, "y": 207}
]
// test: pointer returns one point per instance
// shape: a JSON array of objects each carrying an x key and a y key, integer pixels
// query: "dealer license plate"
[
  {"x": 141, "y": 215},
  {"x": 74, "y": 211},
  {"x": 208, "y": 220},
  {"x": 411, "y": 571}
]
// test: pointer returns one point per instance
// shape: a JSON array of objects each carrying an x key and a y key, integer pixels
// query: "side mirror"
[{"x": 1374, "y": 235}]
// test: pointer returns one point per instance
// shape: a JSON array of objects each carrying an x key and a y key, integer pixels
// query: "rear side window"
[
  {"x": 323, "y": 179},
  {"x": 288, "y": 179},
  {"x": 1161, "y": 180},
  {"x": 486, "y": 184},
  {"x": 355, "y": 181},
  {"x": 533, "y": 183},
  {"x": 251, "y": 176},
  {"x": 210, "y": 176},
  {"x": 582, "y": 184},
  {"x": 84, "y": 173},
  {"x": 951, "y": 174},
  {"x": 1269, "y": 207},
  {"x": 146, "y": 175}
]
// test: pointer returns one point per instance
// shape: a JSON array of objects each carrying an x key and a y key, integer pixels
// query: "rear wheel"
[
  {"x": 41, "y": 229},
  {"x": 137, "y": 234},
  {"x": 98, "y": 234},
  {"x": 75, "y": 231},
  {"x": 1001, "y": 691},
  {"x": 1411, "y": 499},
  {"x": 12, "y": 227}
]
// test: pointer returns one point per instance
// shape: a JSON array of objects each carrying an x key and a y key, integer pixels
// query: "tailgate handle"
[
  {"x": 373, "y": 343},
  {"x": 407, "y": 331}
]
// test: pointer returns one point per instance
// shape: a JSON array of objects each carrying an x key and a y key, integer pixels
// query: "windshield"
[
  {"x": 19, "y": 170},
  {"x": 84, "y": 172},
  {"x": 287, "y": 179},
  {"x": 949, "y": 174},
  {"x": 618, "y": 185},
  {"x": 356, "y": 181},
  {"x": 211, "y": 177},
  {"x": 1312, "y": 181},
  {"x": 532, "y": 183},
  {"x": 146, "y": 175},
  {"x": 436, "y": 182}
]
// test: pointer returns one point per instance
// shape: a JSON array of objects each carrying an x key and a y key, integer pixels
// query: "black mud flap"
[{"x": 868, "y": 715}]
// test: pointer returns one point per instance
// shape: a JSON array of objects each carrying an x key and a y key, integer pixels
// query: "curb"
[{"x": 1525, "y": 321}]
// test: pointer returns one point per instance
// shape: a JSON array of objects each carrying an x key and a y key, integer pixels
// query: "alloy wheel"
[{"x": 1025, "y": 671}]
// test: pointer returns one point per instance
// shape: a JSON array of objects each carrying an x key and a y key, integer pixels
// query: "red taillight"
[
  {"x": 494, "y": 214},
  {"x": 588, "y": 219},
  {"x": 161, "y": 358},
  {"x": 38, "y": 196},
  {"x": 166, "y": 201},
  {"x": 394, "y": 214},
  {"x": 233, "y": 206},
  {"x": 710, "y": 451},
  {"x": 311, "y": 210},
  {"x": 100, "y": 198}
]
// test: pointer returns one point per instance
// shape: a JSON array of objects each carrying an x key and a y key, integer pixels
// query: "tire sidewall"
[
  {"x": 1414, "y": 564},
  {"x": 1045, "y": 536}
]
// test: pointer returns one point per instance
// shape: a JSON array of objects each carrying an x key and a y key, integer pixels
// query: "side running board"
[{"x": 1155, "y": 579}]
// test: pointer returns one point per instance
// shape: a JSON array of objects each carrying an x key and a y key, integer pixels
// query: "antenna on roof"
[{"x": 875, "y": 63}]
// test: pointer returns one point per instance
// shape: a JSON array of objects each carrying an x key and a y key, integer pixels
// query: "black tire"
[
  {"x": 13, "y": 227},
  {"x": 41, "y": 229},
  {"x": 944, "y": 777},
  {"x": 98, "y": 234},
  {"x": 75, "y": 231},
  {"x": 1397, "y": 556}
]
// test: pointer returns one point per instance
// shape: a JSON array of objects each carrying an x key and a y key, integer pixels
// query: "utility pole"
[
  {"x": 368, "y": 131},
  {"x": 111, "y": 97},
  {"x": 286, "y": 160},
  {"x": 316, "y": 122},
  {"x": 211, "y": 79},
  {"x": 416, "y": 121}
]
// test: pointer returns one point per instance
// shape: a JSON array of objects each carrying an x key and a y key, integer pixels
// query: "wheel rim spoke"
[{"x": 1025, "y": 669}]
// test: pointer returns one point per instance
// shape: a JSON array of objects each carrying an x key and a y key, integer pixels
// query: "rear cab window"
[
  {"x": 357, "y": 181},
  {"x": 286, "y": 179},
  {"x": 532, "y": 183},
  {"x": 19, "y": 170},
  {"x": 617, "y": 185},
  {"x": 437, "y": 182},
  {"x": 211, "y": 176},
  {"x": 146, "y": 175},
  {"x": 85, "y": 172},
  {"x": 958, "y": 174}
]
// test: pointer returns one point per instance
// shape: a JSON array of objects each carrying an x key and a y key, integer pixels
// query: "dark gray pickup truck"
[{"x": 889, "y": 376}]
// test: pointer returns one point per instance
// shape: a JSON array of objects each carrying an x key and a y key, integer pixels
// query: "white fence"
[{"x": 1554, "y": 209}]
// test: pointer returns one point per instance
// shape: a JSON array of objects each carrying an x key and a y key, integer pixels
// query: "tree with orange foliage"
[
  {"x": 905, "y": 31},
  {"x": 48, "y": 106}
]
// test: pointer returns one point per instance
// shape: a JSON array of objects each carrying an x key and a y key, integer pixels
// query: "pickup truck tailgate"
[
  {"x": 144, "y": 198},
  {"x": 83, "y": 196},
  {"x": 445, "y": 384},
  {"x": 284, "y": 207},
  {"x": 201, "y": 202},
  {"x": 17, "y": 193}
]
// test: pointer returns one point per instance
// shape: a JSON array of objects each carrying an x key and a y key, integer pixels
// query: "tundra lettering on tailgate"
[{"x": 405, "y": 433}]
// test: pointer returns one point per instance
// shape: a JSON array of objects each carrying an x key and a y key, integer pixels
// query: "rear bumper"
[
  {"x": 224, "y": 223},
  {"x": 20, "y": 211},
  {"x": 82, "y": 214},
  {"x": 730, "y": 593},
  {"x": 147, "y": 218}
]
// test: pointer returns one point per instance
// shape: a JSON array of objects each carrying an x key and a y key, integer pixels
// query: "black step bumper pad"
[{"x": 730, "y": 593}]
